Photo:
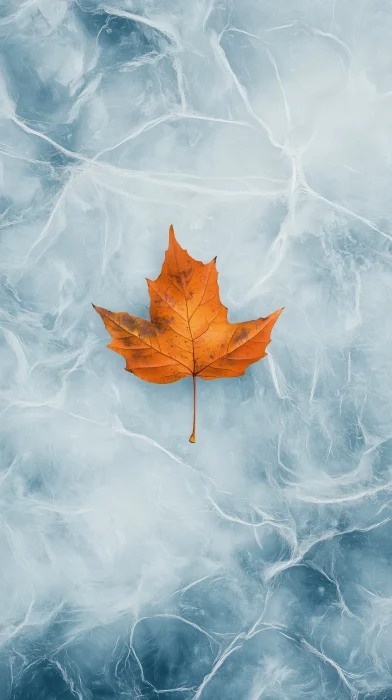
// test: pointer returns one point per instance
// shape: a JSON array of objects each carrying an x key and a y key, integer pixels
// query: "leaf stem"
[{"x": 193, "y": 436}]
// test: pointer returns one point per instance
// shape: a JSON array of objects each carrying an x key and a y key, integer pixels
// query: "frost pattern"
[{"x": 256, "y": 564}]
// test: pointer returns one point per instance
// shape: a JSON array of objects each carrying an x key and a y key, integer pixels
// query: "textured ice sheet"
[{"x": 257, "y": 563}]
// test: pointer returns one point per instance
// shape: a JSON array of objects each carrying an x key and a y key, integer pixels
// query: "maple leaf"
[{"x": 189, "y": 334}]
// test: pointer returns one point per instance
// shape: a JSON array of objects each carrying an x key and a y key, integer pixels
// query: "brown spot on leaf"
[
  {"x": 145, "y": 328},
  {"x": 240, "y": 335},
  {"x": 185, "y": 274},
  {"x": 178, "y": 280},
  {"x": 169, "y": 299}
]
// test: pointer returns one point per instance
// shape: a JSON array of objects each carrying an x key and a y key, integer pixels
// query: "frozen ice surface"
[{"x": 257, "y": 563}]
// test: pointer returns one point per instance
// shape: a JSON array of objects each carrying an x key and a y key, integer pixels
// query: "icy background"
[{"x": 257, "y": 563}]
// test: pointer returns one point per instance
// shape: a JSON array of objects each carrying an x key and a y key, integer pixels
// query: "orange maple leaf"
[{"x": 189, "y": 334}]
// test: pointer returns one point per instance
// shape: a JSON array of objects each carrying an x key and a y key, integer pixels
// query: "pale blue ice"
[{"x": 257, "y": 563}]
